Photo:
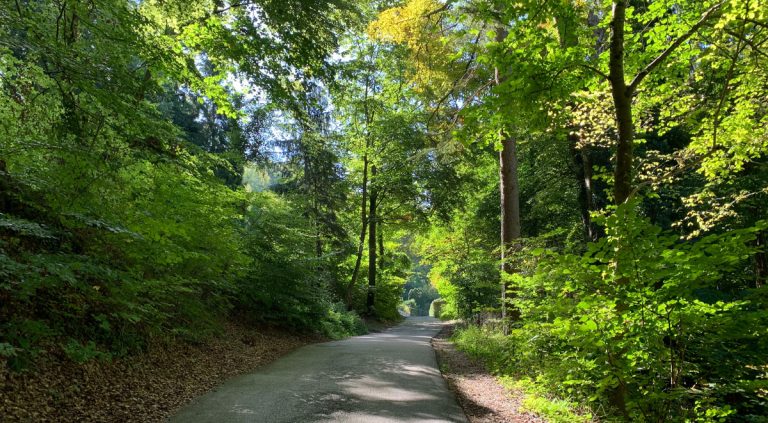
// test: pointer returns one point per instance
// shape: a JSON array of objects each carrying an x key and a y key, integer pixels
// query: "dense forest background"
[{"x": 583, "y": 182}]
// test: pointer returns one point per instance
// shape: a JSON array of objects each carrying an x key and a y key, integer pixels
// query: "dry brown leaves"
[
  {"x": 145, "y": 388},
  {"x": 483, "y": 399}
]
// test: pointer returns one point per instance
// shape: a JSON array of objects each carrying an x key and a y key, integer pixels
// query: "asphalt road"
[{"x": 384, "y": 377}]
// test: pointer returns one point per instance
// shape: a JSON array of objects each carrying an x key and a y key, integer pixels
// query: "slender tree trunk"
[
  {"x": 510, "y": 210},
  {"x": 510, "y": 198},
  {"x": 566, "y": 25},
  {"x": 380, "y": 232},
  {"x": 622, "y": 93},
  {"x": 582, "y": 161},
  {"x": 363, "y": 230},
  {"x": 369, "y": 114},
  {"x": 761, "y": 260},
  {"x": 372, "y": 220},
  {"x": 622, "y": 101}
]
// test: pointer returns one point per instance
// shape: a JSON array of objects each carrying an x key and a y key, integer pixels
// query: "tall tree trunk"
[
  {"x": 622, "y": 101},
  {"x": 622, "y": 175},
  {"x": 622, "y": 93},
  {"x": 510, "y": 198},
  {"x": 363, "y": 230},
  {"x": 372, "y": 220},
  {"x": 510, "y": 206},
  {"x": 566, "y": 24},
  {"x": 363, "y": 204}
]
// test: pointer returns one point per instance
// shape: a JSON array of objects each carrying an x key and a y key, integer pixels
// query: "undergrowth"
[{"x": 492, "y": 348}]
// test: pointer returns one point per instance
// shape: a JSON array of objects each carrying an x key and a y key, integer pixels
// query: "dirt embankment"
[{"x": 145, "y": 388}]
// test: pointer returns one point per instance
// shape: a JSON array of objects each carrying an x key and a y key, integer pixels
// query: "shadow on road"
[{"x": 390, "y": 376}]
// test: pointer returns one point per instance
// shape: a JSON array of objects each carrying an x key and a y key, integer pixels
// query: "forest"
[{"x": 582, "y": 183}]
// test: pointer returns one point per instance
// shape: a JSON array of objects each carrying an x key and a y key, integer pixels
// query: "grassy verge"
[{"x": 493, "y": 348}]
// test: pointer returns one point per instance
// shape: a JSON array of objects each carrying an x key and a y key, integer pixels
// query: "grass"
[{"x": 555, "y": 410}]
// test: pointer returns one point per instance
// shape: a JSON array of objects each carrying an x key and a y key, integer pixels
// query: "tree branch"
[
  {"x": 755, "y": 45},
  {"x": 596, "y": 70},
  {"x": 441, "y": 9},
  {"x": 712, "y": 11}
]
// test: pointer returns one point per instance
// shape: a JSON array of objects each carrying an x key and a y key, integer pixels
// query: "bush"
[
  {"x": 389, "y": 291},
  {"x": 498, "y": 353},
  {"x": 407, "y": 307},
  {"x": 673, "y": 322},
  {"x": 339, "y": 323}
]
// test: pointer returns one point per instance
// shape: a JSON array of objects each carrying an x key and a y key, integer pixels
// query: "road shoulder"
[{"x": 479, "y": 394}]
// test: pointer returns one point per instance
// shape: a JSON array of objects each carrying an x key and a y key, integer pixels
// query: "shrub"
[
  {"x": 339, "y": 323},
  {"x": 672, "y": 321},
  {"x": 675, "y": 322}
]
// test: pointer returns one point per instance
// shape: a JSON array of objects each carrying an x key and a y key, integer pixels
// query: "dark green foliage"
[{"x": 340, "y": 323}]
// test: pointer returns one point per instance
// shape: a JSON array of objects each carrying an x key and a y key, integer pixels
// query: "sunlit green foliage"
[
  {"x": 690, "y": 335},
  {"x": 659, "y": 317},
  {"x": 167, "y": 165},
  {"x": 123, "y": 219}
]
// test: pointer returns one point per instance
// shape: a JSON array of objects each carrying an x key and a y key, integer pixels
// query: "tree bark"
[
  {"x": 510, "y": 209},
  {"x": 761, "y": 260},
  {"x": 622, "y": 101},
  {"x": 582, "y": 161},
  {"x": 363, "y": 230},
  {"x": 509, "y": 190},
  {"x": 622, "y": 93},
  {"x": 364, "y": 219},
  {"x": 381, "y": 245},
  {"x": 622, "y": 174},
  {"x": 372, "y": 220}
]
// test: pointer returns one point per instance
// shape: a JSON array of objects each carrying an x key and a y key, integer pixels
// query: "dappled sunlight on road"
[
  {"x": 390, "y": 376},
  {"x": 370, "y": 388}
]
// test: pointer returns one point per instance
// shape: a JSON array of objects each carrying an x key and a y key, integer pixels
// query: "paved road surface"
[{"x": 385, "y": 377}]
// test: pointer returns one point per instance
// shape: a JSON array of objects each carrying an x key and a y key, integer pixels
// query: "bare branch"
[
  {"x": 466, "y": 76},
  {"x": 441, "y": 9},
  {"x": 756, "y": 46}
]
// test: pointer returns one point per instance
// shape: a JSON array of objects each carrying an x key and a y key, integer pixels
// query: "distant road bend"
[{"x": 384, "y": 377}]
